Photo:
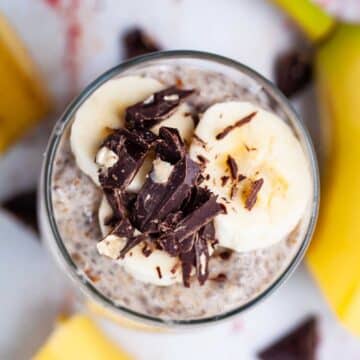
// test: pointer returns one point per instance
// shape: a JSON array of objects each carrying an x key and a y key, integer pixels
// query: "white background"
[{"x": 32, "y": 290}]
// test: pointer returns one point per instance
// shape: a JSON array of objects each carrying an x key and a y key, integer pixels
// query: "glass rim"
[{"x": 84, "y": 284}]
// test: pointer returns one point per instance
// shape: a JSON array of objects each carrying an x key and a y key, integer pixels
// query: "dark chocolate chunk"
[
  {"x": 300, "y": 344},
  {"x": 237, "y": 124},
  {"x": 136, "y": 42},
  {"x": 232, "y": 166},
  {"x": 156, "y": 200},
  {"x": 23, "y": 206},
  {"x": 156, "y": 108},
  {"x": 293, "y": 71},
  {"x": 170, "y": 147},
  {"x": 192, "y": 223},
  {"x": 252, "y": 197},
  {"x": 131, "y": 150}
]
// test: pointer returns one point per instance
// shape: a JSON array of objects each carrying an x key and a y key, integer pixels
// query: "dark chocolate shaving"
[
  {"x": 131, "y": 243},
  {"x": 202, "y": 159},
  {"x": 131, "y": 150},
  {"x": 159, "y": 272},
  {"x": 23, "y": 206},
  {"x": 293, "y": 72},
  {"x": 224, "y": 180},
  {"x": 136, "y": 42},
  {"x": 232, "y": 166},
  {"x": 252, "y": 197},
  {"x": 241, "y": 177},
  {"x": 146, "y": 250},
  {"x": 156, "y": 108},
  {"x": 238, "y": 123},
  {"x": 299, "y": 344}
]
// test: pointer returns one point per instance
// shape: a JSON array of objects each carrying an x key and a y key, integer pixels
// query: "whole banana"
[{"x": 333, "y": 257}]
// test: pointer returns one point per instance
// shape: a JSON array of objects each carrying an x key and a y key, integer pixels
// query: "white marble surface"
[{"x": 32, "y": 289}]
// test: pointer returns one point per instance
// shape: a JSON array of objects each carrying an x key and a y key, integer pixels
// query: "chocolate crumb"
[
  {"x": 252, "y": 197},
  {"x": 146, "y": 250},
  {"x": 237, "y": 124},
  {"x": 202, "y": 159},
  {"x": 220, "y": 278},
  {"x": 159, "y": 272},
  {"x": 293, "y": 72},
  {"x": 232, "y": 166},
  {"x": 299, "y": 344},
  {"x": 136, "y": 42},
  {"x": 225, "y": 255},
  {"x": 241, "y": 177}
]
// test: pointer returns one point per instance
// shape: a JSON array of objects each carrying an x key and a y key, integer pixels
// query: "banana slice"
[
  {"x": 104, "y": 110},
  {"x": 145, "y": 269},
  {"x": 273, "y": 183}
]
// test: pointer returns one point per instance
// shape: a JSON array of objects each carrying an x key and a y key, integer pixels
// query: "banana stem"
[{"x": 312, "y": 20}]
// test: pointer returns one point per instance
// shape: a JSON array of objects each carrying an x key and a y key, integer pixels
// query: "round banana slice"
[
  {"x": 257, "y": 167},
  {"x": 159, "y": 268},
  {"x": 104, "y": 110}
]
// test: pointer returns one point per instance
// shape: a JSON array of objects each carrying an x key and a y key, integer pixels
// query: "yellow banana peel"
[
  {"x": 334, "y": 255},
  {"x": 23, "y": 100}
]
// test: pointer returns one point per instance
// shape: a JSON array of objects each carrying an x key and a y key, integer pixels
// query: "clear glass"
[{"x": 256, "y": 84}]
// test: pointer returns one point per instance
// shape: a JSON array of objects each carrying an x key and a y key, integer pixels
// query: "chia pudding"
[{"x": 234, "y": 276}]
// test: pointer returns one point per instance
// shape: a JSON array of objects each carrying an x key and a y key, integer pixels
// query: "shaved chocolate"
[
  {"x": 241, "y": 177},
  {"x": 159, "y": 272},
  {"x": 299, "y": 344},
  {"x": 252, "y": 197},
  {"x": 23, "y": 206},
  {"x": 157, "y": 108},
  {"x": 232, "y": 166},
  {"x": 136, "y": 42},
  {"x": 224, "y": 180},
  {"x": 131, "y": 150},
  {"x": 131, "y": 243},
  {"x": 238, "y": 123}
]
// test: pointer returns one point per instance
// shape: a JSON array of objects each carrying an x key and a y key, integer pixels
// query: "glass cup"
[{"x": 259, "y": 88}]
